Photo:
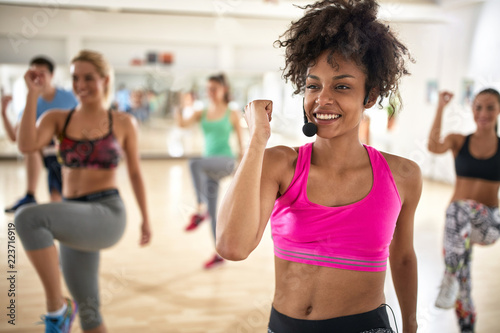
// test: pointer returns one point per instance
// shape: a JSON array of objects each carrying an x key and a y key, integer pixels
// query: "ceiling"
[{"x": 255, "y": 9}]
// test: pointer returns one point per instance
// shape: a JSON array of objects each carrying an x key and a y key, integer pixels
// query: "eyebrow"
[{"x": 337, "y": 77}]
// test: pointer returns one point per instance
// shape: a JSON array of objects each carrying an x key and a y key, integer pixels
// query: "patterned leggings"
[{"x": 467, "y": 223}]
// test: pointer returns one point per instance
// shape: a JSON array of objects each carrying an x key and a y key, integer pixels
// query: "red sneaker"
[
  {"x": 214, "y": 262},
  {"x": 196, "y": 219}
]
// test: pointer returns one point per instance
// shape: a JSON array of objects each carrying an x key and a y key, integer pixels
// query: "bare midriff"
[
  {"x": 479, "y": 190},
  {"x": 81, "y": 181},
  {"x": 316, "y": 292}
]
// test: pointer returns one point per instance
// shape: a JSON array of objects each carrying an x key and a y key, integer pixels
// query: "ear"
[{"x": 372, "y": 98}]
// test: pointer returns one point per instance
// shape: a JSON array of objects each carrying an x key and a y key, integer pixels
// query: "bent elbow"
[
  {"x": 230, "y": 251},
  {"x": 431, "y": 146}
]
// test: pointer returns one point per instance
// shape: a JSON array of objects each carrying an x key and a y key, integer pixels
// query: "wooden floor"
[{"x": 163, "y": 288}]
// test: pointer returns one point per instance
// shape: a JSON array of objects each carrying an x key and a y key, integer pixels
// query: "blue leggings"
[
  {"x": 206, "y": 173},
  {"x": 83, "y": 226}
]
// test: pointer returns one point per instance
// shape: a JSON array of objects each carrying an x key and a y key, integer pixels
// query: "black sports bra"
[{"x": 468, "y": 166}]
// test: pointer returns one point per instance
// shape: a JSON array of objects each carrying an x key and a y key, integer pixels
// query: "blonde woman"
[{"x": 92, "y": 140}]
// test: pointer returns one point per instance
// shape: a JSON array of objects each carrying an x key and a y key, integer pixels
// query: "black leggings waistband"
[
  {"x": 95, "y": 196},
  {"x": 376, "y": 320}
]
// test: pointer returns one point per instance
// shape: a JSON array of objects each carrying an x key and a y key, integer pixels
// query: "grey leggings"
[
  {"x": 82, "y": 228},
  {"x": 206, "y": 173}
]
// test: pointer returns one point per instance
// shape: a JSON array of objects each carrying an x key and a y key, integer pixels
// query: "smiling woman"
[
  {"x": 472, "y": 216},
  {"x": 336, "y": 206},
  {"x": 92, "y": 216}
]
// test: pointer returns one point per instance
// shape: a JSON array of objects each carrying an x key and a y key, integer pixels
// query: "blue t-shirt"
[{"x": 63, "y": 99}]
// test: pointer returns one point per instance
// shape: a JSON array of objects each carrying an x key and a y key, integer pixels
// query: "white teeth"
[{"x": 330, "y": 116}]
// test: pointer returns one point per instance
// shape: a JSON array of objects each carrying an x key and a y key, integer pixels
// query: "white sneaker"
[{"x": 448, "y": 293}]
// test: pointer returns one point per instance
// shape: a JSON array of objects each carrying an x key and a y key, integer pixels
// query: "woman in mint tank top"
[
  {"x": 217, "y": 122},
  {"x": 340, "y": 211},
  {"x": 472, "y": 216}
]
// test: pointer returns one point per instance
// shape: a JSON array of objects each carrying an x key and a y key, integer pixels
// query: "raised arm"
[
  {"x": 436, "y": 144},
  {"x": 402, "y": 254},
  {"x": 32, "y": 136},
  {"x": 9, "y": 129},
  {"x": 130, "y": 147},
  {"x": 186, "y": 122},
  {"x": 249, "y": 201},
  {"x": 235, "y": 121}
]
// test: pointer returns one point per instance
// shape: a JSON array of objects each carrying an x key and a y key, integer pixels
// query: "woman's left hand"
[{"x": 145, "y": 234}]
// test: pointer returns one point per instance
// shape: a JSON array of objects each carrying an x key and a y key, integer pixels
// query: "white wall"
[
  {"x": 197, "y": 42},
  {"x": 442, "y": 53},
  {"x": 451, "y": 43}
]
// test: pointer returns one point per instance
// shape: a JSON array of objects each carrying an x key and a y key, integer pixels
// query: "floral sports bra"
[{"x": 100, "y": 153}]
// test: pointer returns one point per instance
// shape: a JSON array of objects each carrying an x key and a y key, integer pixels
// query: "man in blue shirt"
[{"x": 50, "y": 98}]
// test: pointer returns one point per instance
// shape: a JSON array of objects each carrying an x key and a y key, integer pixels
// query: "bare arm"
[
  {"x": 32, "y": 136},
  {"x": 250, "y": 198},
  {"x": 235, "y": 120},
  {"x": 130, "y": 146},
  {"x": 402, "y": 254},
  {"x": 186, "y": 122},
  {"x": 435, "y": 144},
  {"x": 9, "y": 129}
]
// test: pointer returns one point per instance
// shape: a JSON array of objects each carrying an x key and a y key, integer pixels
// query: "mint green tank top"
[{"x": 216, "y": 133}]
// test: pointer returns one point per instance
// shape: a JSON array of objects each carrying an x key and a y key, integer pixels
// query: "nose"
[
  {"x": 78, "y": 84},
  {"x": 325, "y": 97}
]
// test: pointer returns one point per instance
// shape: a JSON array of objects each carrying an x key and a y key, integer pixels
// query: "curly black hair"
[{"x": 351, "y": 28}]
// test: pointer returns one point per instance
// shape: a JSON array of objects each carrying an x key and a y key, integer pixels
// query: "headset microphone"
[{"x": 309, "y": 129}]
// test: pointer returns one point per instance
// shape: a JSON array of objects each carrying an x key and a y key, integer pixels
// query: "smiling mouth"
[{"x": 326, "y": 116}]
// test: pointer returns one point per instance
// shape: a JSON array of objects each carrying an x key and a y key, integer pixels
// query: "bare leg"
[
  {"x": 46, "y": 263},
  {"x": 33, "y": 168},
  {"x": 201, "y": 208}
]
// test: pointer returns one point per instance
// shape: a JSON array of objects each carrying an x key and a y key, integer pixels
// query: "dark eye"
[
  {"x": 342, "y": 87},
  {"x": 311, "y": 86}
]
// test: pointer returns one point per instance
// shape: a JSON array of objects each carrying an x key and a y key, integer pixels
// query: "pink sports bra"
[
  {"x": 100, "y": 153},
  {"x": 354, "y": 237}
]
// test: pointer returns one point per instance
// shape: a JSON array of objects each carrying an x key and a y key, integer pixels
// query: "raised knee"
[{"x": 24, "y": 216}]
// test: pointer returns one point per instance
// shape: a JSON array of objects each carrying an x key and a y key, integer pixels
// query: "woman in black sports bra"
[{"x": 472, "y": 216}]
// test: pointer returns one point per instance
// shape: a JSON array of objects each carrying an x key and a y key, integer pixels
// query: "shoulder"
[
  {"x": 197, "y": 114},
  {"x": 456, "y": 138},
  {"x": 55, "y": 114},
  {"x": 281, "y": 158},
  {"x": 456, "y": 142},
  {"x": 282, "y": 152},
  {"x": 54, "y": 117},
  {"x": 124, "y": 120},
  {"x": 406, "y": 174},
  {"x": 401, "y": 166},
  {"x": 235, "y": 113}
]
